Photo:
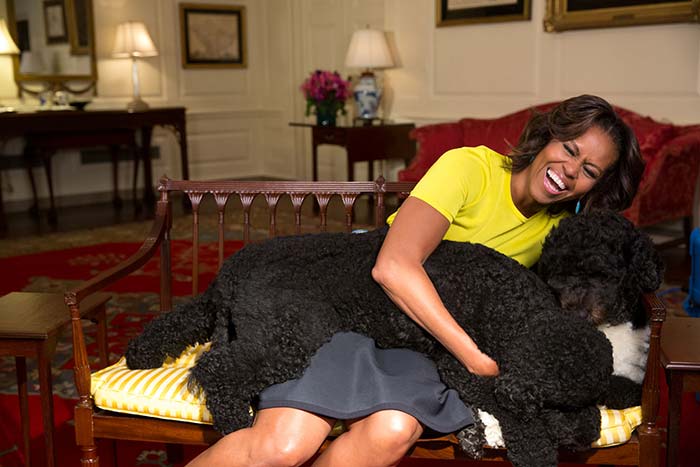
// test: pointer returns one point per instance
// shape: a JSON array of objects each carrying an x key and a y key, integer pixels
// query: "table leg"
[
  {"x": 45, "y": 354},
  {"x": 114, "y": 155},
  {"x": 314, "y": 161},
  {"x": 181, "y": 134},
  {"x": 21, "y": 369},
  {"x": 149, "y": 198},
  {"x": 675, "y": 398},
  {"x": 46, "y": 156}
]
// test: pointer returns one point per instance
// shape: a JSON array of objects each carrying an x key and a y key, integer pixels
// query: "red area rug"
[{"x": 55, "y": 271}]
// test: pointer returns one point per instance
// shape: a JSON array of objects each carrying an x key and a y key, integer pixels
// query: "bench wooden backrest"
[{"x": 273, "y": 192}]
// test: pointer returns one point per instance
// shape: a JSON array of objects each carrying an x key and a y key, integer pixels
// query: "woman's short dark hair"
[{"x": 569, "y": 120}]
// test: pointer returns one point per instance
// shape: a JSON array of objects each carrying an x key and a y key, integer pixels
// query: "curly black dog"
[{"x": 274, "y": 304}]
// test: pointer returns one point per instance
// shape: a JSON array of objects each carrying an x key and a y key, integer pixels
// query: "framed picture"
[
  {"x": 457, "y": 12},
  {"x": 55, "y": 22},
  {"x": 79, "y": 13},
  {"x": 562, "y": 15},
  {"x": 212, "y": 36}
]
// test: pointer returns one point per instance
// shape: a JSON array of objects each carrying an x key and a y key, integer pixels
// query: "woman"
[{"x": 580, "y": 155}]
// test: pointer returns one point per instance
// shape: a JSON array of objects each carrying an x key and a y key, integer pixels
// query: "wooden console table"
[
  {"x": 364, "y": 143},
  {"x": 74, "y": 129}
]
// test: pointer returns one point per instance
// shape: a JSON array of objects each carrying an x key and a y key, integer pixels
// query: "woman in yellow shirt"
[{"x": 580, "y": 155}]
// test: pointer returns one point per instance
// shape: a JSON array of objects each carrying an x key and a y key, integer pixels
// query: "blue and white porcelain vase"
[{"x": 367, "y": 96}]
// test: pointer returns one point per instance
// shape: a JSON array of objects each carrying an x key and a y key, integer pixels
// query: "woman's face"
[{"x": 563, "y": 170}]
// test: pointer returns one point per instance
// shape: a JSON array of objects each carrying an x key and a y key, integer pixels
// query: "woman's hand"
[{"x": 483, "y": 365}]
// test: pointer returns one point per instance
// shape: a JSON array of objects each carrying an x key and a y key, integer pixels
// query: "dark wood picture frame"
[
  {"x": 562, "y": 15},
  {"x": 55, "y": 26},
  {"x": 79, "y": 13},
  {"x": 199, "y": 22},
  {"x": 456, "y": 13}
]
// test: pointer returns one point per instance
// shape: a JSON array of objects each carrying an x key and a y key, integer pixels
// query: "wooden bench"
[{"x": 92, "y": 423}]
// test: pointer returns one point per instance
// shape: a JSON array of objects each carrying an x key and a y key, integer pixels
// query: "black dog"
[{"x": 274, "y": 304}]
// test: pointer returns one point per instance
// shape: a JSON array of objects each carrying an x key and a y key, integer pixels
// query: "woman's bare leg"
[
  {"x": 378, "y": 440},
  {"x": 281, "y": 437}
]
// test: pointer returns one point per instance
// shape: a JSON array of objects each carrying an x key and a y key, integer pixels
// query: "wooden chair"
[{"x": 92, "y": 423}]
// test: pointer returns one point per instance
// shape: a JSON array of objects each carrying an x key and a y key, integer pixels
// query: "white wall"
[
  {"x": 238, "y": 118},
  {"x": 492, "y": 69}
]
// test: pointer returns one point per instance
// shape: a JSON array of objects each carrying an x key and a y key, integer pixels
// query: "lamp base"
[
  {"x": 367, "y": 95},
  {"x": 136, "y": 105}
]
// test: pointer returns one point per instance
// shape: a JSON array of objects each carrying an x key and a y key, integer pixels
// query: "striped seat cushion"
[
  {"x": 163, "y": 393},
  {"x": 616, "y": 426},
  {"x": 160, "y": 392}
]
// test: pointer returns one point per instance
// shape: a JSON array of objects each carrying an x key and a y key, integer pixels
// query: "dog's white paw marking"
[{"x": 492, "y": 429}]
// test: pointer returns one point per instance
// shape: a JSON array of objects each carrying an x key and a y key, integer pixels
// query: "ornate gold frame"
[
  {"x": 76, "y": 84},
  {"x": 558, "y": 17}
]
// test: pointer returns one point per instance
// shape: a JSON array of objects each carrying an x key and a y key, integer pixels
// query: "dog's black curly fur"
[{"x": 274, "y": 304}]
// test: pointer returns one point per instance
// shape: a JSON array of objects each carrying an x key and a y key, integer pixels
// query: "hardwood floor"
[{"x": 22, "y": 224}]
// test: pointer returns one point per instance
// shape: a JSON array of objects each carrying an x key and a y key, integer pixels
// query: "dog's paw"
[{"x": 471, "y": 439}]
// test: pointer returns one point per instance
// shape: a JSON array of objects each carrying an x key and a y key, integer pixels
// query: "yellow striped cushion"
[
  {"x": 162, "y": 393},
  {"x": 616, "y": 426}
]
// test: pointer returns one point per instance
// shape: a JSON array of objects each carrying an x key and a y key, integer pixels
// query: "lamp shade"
[
  {"x": 368, "y": 49},
  {"x": 7, "y": 45},
  {"x": 31, "y": 62},
  {"x": 133, "y": 40}
]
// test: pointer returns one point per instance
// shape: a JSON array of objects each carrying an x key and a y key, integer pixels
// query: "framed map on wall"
[
  {"x": 562, "y": 15},
  {"x": 458, "y": 12},
  {"x": 212, "y": 36}
]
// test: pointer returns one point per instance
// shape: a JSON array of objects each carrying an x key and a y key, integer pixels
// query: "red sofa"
[{"x": 671, "y": 152}]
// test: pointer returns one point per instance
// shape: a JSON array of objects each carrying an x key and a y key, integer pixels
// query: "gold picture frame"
[
  {"x": 80, "y": 31},
  {"x": 213, "y": 36},
  {"x": 459, "y": 12},
  {"x": 563, "y": 15}
]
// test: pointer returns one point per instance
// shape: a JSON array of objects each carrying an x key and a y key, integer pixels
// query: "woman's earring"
[{"x": 578, "y": 207}]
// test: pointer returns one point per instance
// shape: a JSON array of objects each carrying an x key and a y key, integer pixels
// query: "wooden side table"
[
  {"x": 680, "y": 356},
  {"x": 363, "y": 143},
  {"x": 29, "y": 327}
]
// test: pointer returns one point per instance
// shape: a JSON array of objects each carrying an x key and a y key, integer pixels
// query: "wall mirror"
[{"x": 57, "y": 44}]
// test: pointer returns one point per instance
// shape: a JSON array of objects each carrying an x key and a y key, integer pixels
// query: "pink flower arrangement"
[{"x": 326, "y": 92}]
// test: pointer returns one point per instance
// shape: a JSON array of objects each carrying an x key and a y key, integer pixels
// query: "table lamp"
[
  {"x": 133, "y": 41},
  {"x": 7, "y": 45},
  {"x": 369, "y": 50}
]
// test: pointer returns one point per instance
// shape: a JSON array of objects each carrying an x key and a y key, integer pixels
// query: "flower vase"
[{"x": 325, "y": 116}]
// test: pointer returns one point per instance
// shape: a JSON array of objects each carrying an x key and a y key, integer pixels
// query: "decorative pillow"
[
  {"x": 162, "y": 393},
  {"x": 651, "y": 134}
]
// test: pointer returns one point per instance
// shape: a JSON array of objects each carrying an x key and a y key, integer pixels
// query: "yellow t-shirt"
[{"x": 471, "y": 188}]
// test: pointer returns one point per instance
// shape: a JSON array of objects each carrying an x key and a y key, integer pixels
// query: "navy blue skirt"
[{"x": 349, "y": 377}]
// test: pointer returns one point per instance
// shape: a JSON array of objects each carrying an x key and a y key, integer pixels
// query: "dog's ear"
[{"x": 645, "y": 263}]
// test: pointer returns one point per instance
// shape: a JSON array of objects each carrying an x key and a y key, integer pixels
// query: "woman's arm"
[{"x": 415, "y": 233}]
